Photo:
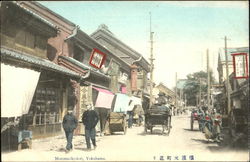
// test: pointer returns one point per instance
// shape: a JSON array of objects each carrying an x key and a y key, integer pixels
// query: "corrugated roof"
[{"x": 36, "y": 61}]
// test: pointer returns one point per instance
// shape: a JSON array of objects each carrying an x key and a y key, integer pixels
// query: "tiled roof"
[
  {"x": 74, "y": 61},
  {"x": 35, "y": 15},
  {"x": 231, "y": 51},
  {"x": 84, "y": 66},
  {"x": 6, "y": 53},
  {"x": 127, "y": 54}
]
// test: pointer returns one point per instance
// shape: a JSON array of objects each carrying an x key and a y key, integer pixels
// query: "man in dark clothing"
[
  {"x": 90, "y": 119},
  {"x": 69, "y": 125},
  {"x": 130, "y": 119}
]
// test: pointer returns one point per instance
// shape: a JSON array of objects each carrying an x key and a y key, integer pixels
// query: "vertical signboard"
[{"x": 240, "y": 63}]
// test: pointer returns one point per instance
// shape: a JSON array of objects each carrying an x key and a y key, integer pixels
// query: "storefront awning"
[
  {"x": 121, "y": 102},
  {"x": 104, "y": 98},
  {"x": 135, "y": 101},
  {"x": 18, "y": 86}
]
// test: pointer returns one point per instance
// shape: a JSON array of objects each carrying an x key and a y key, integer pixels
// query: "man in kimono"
[
  {"x": 69, "y": 125},
  {"x": 90, "y": 119}
]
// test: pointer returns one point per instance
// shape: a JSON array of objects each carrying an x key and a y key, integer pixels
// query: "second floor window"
[
  {"x": 25, "y": 38},
  {"x": 78, "y": 54},
  {"x": 28, "y": 39}
]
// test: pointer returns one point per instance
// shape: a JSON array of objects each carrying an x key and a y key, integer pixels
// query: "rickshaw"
[{"x": 158, "y": 115}]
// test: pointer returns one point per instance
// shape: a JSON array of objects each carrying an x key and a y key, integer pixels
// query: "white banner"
[
  {"x": 135, "y": 101},
  {"x": 18, "y": 86}
]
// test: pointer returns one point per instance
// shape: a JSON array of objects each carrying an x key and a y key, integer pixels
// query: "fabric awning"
[
  {"x": 18, "y": 86},
  {"x": 135, "y": 101},
  {"x": 121, "y": 102},
  {"x": 104, "y": 98}
]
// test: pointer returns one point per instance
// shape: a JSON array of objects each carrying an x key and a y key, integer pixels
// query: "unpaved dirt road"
[{"x": 181, "y": 145}]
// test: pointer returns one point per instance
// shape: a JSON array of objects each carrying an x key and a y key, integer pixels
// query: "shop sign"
[
  {"x": 240, "y": 63},
  {"x": 97, "y": 58},
  {"x": 123, "y": 77}
]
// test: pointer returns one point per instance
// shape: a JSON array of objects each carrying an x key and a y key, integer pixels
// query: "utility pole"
[
  {"x": 208, "y": 82},
  {"x": 197, "y": 100},
  {"x": 185, "y": 100},
  {"x": 151, "y": 64},
  {"x": 227, "y": 78},
  {"x": 200, "y": 94},
  {"x": 181, "y": 98},
  {"x": 176, "y": 90}
]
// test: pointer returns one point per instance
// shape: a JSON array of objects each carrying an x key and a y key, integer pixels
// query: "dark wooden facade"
[{"x": 24, "y": 36}]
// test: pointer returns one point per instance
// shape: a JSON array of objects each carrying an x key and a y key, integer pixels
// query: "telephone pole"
[
  {"x": 151, "y": 64},
  {"x": 208, "y": 82},
  {"x": 185, "y": 100},
  {"x": 227, "y": 78},
  {"x": 176, "y": 90},
  {"x": 200, "y": 94}
]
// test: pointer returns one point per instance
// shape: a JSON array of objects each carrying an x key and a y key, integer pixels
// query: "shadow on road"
[
  {"x": 223, "y": 146},
  {"x": 59, "y": 150},
  {"x": 117, "y": 133},
  {"x": 194, "y": 130},
  {"x": 157, "y": 132},
  {"x": 81, "y": 149},
  {"x": 202, "y": 141}
]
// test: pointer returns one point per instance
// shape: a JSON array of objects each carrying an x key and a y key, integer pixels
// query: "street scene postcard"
[{"x": 125, "y": 81}]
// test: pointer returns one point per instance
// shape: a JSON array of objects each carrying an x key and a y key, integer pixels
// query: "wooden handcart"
[{"x": 117, "y": 122}]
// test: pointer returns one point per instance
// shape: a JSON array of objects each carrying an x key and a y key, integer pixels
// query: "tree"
[{"x": 192, "y": 86}]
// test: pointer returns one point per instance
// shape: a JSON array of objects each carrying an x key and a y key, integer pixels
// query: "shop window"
[{"x": 45, "y": 106}]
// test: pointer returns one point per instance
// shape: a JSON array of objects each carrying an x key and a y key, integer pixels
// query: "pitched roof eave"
[{"x": 36, "y": 61}]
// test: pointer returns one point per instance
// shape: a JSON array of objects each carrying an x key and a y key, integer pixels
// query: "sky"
[{"x": 183, "y": 30}]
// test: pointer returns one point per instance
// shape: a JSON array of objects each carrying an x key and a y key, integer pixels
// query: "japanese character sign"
[
  {"x": 240, "y": 62},
  {"x": 97, "y": 58}
]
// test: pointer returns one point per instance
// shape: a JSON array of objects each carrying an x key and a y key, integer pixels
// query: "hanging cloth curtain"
[
  {"x": 104, "y": 98},
  {"x": 18, "y": 86},
  {"x": 135, "y": 101},
  {"x": 121, "y": 102}
]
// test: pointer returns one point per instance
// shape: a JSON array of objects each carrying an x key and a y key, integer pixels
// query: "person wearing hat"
[
  {"x": 69, "y": 125},
  {"x": 90, "y": 119}
]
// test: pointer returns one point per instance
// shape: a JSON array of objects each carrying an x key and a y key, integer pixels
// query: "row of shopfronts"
[{"x": 39, "y": 83}]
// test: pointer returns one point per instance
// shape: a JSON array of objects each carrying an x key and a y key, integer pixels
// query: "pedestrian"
[
  {"x": 69, "y": 125},
  {"x": 90, "y": 119},
  {"x": 130, "y": 118}
]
